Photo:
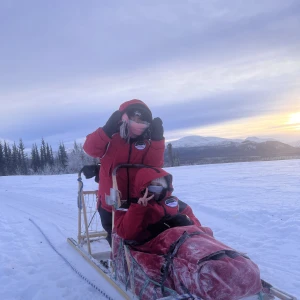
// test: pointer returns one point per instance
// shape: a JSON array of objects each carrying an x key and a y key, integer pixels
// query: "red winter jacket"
[
  {"x": 133, "y": 224},
  {"x": 114, "y": 151}
]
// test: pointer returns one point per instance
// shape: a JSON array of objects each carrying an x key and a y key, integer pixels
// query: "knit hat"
[
  {"x": 139, "y": 110},
  {"x": 160, "y": 181}
]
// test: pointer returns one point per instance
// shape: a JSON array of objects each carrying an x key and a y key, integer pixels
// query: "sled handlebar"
[
  {"x": 114, "y": 173},
  {"x": 90, "y": 171},
  {"x": 114, "y": 190}
]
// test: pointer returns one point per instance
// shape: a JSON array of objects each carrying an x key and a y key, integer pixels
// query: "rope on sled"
[
  {"x": 148, "y": 280},
  {"x": 170, "y": 255},
  {"x": 70, "y": 265}
]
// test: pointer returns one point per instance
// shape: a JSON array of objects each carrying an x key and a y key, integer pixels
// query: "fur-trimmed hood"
[{"x": 144, "y": 176}]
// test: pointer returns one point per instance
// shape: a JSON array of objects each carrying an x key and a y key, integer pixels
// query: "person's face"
[
  {"x": 156, "y": 189},
  {"x": 153, "y": 188},
  {"x": 136, "y": 119}
]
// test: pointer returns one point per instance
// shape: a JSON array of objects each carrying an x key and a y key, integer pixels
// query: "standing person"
[{"x": 129, "y": 136}]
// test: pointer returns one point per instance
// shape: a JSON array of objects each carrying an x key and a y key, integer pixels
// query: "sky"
[
  {"x": 252, "y": 207},
  {"x": 229, "y": 69}
]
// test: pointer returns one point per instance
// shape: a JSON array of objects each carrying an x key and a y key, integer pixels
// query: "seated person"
[
  {"x": 154, "y": 209},
  {"x": 171, "y": 247}
]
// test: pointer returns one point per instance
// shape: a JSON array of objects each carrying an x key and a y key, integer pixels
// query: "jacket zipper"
[{"x": 128, "y": 161}]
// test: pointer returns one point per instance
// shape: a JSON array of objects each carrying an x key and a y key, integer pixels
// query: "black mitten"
[
  {"x": 157, "y": 228},
  {"x": 97, "y": 173},
  {"x": 157, "y": 130},
  {"x": 179, "y": 220},
  {"x": 90, "y": 171},
  {"x": 113, "y": 124},
  {"x": 169, "y": 222}
]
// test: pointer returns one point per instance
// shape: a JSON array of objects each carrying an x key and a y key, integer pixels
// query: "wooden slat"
[
  {"x": 86, "y": 256},
  {"x": 86, "y": 226},
  {"x": 281, "y": 295},
  {"x": 96, "y": 234},
  {"x": 90, "y": 192}
]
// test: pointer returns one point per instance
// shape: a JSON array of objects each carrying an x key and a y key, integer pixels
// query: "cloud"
[
  {"x": 65, "y": 68},
  {"x": 63, "y": 41},
  {"x": 165, "y": 84},
  {"x": 184, "y": 95}
]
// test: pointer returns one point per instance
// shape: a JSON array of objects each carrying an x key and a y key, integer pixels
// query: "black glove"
[
  {"x": 97, "y": 179},
  {"x": 169, "y": 222},
  {"x": 90, "y": 171},
  {"x": 179, "y": 220},
  {"x": 157, "y": 130},
  {"x": 113, "y": 124}
]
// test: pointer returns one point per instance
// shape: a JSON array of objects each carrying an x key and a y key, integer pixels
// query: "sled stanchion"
[
  {"x": 82, "y": 206},
  {"x": 86, "y": 226},
  {"x": 79, "y": 204},
  {"x": 83, "y": 221}
]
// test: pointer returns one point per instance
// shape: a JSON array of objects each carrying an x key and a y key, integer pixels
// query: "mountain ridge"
[
  {"x": 202, "y": 141},
  {"x": 230, "y": 151}
]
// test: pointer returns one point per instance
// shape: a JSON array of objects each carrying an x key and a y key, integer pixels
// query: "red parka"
[
  {"x": 134, "y": 223},
  {"x": 114, "y": 151}
]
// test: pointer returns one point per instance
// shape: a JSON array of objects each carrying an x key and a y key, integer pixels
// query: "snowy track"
[
  {"x": 253, "y": 207},
  {"x": 29, "y": 267}
]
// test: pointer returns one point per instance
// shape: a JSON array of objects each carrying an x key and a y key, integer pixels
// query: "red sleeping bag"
[{"x": 189, "y": 260}]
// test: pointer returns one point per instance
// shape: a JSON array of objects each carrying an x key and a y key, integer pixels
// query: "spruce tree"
[
  {"x": 43, "y": 155},
  {"x": 62, "y": 157},
  {"x": 35, "y": 159},
  {"x": 2, "y": 171},
  {"x": 48, "y": 157},
  {"x": 76, "y": 148},
  {"x": 22, "y": 158},
  {"x": 51, "y": 156},
  {"x": 15, "y": 163},
  {"x": 7, "y": 159}
]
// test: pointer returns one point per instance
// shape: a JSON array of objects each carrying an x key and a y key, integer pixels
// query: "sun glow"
[{"x": 294, "y": 118}]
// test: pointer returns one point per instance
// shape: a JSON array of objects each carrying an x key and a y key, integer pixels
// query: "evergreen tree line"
[{"x": 42, "y": 159}]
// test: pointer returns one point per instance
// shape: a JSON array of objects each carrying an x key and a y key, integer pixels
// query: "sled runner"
[{"x": 132, "y": 271}]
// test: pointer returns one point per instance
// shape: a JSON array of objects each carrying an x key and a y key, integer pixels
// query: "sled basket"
[{"x": 89, "y": 224}]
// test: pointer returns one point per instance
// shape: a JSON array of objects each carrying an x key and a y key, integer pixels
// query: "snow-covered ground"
[{"x": 253, "y": 207}]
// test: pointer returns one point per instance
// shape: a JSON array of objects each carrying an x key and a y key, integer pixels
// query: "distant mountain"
[
  {"x": 200, "y": 141},
  {"x": 258, "y": 140},
  {"x": 233, "y": 151},
  {"x": 296, "y": 144}
]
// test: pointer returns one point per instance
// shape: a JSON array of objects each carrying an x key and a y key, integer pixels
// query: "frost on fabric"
[
  {"x": 144, "y": 279},
  {"x": 202, "y": 266}
]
